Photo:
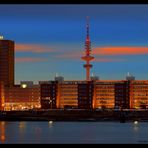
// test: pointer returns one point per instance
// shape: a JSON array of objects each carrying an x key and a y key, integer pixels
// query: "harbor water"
[{"x": 49, "y": 132}]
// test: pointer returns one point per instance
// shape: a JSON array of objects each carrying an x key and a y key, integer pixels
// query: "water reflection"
[
  {"x": 50, "y": 124},
  {"x": 136, "y": 126},
  {"x": 2, "y": 132},
  {"x": 22, "y": 126},
  {"x": 73, "y": 132}
]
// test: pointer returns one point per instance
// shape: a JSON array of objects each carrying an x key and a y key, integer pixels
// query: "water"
[{"x": 73, "y": 132}]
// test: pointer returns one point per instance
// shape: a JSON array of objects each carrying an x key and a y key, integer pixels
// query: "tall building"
[{"x": 7, "y": 62}]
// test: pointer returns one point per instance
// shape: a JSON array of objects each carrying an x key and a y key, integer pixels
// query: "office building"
[{"x": 7, "y": 62}]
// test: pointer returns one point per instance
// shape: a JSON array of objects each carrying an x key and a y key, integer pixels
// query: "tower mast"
[{"x": 87, "y": 57}]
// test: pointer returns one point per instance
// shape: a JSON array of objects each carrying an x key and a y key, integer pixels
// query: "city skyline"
[{"x": 50, "y": 39}]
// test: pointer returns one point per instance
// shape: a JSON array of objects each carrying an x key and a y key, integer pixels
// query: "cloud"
[
  {"x": 111, "y": 51},
  {"x": 29, "y": 59},
  {"x": 109, "y": 60},
  {"x": 36, "y": 48},
  {"x": 77, "y": 56},
  {"x": 101, "y": 54}
]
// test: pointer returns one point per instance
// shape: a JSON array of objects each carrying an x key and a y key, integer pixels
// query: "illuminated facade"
[
  {"x": 22, "y": 97},
  {"x": 104, "y": 94},
  {"x": 79, "y": 94},
  {"x": 7, "y": 62},
  {"x": 97, "y": 94},
  {"x": 2, "y": 96},
  {"x": 139, "y": 94}
]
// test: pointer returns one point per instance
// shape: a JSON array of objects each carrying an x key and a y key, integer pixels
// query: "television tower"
[{"x": 87, "y": 56}]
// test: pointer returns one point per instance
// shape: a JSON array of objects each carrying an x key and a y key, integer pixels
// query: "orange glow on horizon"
[
  {"x": 30, "y": 59},
  {"x": 111, "y": 51},
  {"x": 37, "y": 48},
  {"x": 108, "y": 60}
]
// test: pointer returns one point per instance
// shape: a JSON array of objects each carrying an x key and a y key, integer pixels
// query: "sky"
[{"x": 50, "y": 40}]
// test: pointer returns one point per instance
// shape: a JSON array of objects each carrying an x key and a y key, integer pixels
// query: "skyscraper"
[{"x": 7, "y": 62}]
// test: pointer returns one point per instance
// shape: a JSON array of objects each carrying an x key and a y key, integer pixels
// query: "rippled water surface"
[{"x": 73, "y": 132}]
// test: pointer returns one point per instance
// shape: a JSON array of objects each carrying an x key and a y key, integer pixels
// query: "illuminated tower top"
[{"x": 87, "y": 56}]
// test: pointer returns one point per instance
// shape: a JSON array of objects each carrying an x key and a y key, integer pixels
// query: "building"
[
  {"x": 49, "y": 95},
  {"x": 80, "y": 94},
  {"x": 7, "y": 62},
  {"x": 59, "y": 94},
  {"x": 122, "y": 95},
  {"x": 138, "y": 94},
  {"x": 22, "y": 97},
  {"x": 2, "y": 96},
  {"x": 85, "y": 95},
  {"x": 104, "y": 94}
]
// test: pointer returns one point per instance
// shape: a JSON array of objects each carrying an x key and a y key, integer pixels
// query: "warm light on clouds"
[
  {"x": 29, "y": 59},
  {"x": 101, "y": 54},
  {"x": 108, "y": 60},
  {"x": 110, "y": 51},
  {"x": 37, "y": 48}
]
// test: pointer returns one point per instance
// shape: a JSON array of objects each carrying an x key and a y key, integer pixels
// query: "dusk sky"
[{"x": 50, "y": 39}]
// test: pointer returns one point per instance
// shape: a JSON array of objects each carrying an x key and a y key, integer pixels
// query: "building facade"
[
  {"x": 99, "y": 94},
  {"x": 7, "y": 62},
  {"x": 22, "y": 97}
]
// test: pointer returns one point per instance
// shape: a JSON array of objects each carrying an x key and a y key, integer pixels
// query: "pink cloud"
[
  {"x": 32, "y": 48},
  {"x": 119, "y": 51},
  {"x": 29, "y": 59}
]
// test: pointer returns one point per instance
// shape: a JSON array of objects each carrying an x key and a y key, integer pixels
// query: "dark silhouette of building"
[
  {"x": 49, "y": 95},
  {"x": 7, "y": 62},
  {"x": 85, "y": 95},
  {"x": 122, "y": 95}
]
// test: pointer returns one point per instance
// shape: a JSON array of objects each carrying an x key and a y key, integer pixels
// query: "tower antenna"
[{"x": 87, "y": 57}]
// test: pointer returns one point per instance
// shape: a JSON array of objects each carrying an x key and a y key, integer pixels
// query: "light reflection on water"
[{"x": 73, "y": 132}]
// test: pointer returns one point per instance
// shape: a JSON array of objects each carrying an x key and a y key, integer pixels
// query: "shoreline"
[{"x": 74, "y": 115}]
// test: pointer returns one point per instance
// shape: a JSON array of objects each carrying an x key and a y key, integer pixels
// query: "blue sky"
[{"x": 50, "y": 38}]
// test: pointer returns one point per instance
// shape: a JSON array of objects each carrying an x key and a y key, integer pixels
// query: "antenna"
[{"x": 87, "y": 26}]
